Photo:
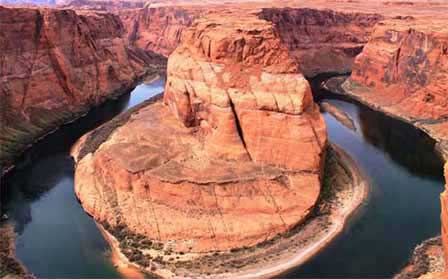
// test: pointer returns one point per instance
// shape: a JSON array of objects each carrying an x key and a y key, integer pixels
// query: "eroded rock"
[
  {"x": 231, "y": 158},
  {"x": 48, "y": 77},
  {"x": 322, "y": 41}
]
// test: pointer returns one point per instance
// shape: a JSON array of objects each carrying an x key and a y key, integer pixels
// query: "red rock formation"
[
  {"x": 233, "y": 159},
  {"x": 444, "y": 215},
  {"x": 322, "y": 40},
  {"x": 55, "y": 64},
  {"x": 404, "y": 70},
  {"x": 157, "y": 29}
]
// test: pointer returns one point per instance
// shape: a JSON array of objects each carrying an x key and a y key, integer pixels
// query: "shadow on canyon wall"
[{"x": 397, "y": 138}]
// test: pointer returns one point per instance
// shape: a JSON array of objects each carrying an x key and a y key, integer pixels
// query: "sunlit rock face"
[
  {"x": 231, "y": 157},
  {"x": 404, "y": 69},
  {"x": 322, "y": 41},
  {"x": 444, "y": 200},
  {"x": 48, "y": 77}
]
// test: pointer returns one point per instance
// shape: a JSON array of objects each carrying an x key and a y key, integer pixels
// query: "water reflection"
[
  {"x": 407, "y": 146},
  {"x": 403, "y": 208},
  {"x": 56, "y": 238}
]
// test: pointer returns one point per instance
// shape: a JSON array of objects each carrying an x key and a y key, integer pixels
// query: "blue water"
[
  {"x": 403, "y": 208},
  {"x": 56, "y": 238}
]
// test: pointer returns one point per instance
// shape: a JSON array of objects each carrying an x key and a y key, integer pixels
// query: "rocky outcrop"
[
  {"x": 48, "y": 77},
  {"x": 322, "y": 40},
  {"x": 230, "y": 158},
  {"x": 157, "y": 29},
  {"x": 444, "y": 215},
  {"x": 404, "y": 71}
]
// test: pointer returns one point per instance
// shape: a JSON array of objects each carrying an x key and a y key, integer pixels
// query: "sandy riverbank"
[{"x": 345, "y": 189}]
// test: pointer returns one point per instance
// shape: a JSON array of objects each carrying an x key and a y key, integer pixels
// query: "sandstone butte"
[
  {"x": 48, "y": 77},
  {"x": 320, "y": 40},
  {"x": 230, "y": 158}
]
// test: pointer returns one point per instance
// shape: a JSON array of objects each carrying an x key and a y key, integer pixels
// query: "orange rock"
[
  {"x": 231, "y": 159},
  {"x": 444, "y": 215},
  {"x": 48, "y": 78},
  {"x": 234, "y": 77},
  {"x": 403, "y": 69},
  {"x": 157, "y": 29},
  {"x": 323, "y": 41}
]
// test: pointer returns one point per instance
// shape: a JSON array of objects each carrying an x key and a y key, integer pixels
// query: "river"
[{"x": 57, "y": 239}]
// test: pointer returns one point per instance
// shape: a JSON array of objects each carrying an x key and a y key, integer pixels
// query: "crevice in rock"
[{"x": 238, "y": 126}]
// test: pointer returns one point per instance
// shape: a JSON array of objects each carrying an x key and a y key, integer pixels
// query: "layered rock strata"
[
  {"x": 158, "y": 29},
  {"x": 444, "y": 215},
  {"x": 230, "y": 158},
  {"x": 403, "y": 71},
  {"x": 56, "y": 64},
  {"x": 322, "y": 40}
]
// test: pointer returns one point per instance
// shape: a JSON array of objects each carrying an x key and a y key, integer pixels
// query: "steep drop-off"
[
  {"x": 322, "y": 40},
  {"x": 158, "y": 29},
  {"x": 231, "y": 158},
  {"x": 444, "y": 200},
  {"x": 403, "y": 70},
  {"x": 55, "y": 65}
]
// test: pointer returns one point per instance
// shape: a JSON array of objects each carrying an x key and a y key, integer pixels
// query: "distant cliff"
[
  {"x": 322, "y": 40},
  {"x": 55, "y": 65}
]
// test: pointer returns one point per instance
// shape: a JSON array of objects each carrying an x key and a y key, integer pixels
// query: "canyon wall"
[
  {"x": 56, "y": 64},
  {"x": 403, "y": 70},
  {"x": 232, "y": 156},
  {"x": 157, "y": 29},
  {"x": 444, "y": 201},
  {"x": 322, "y": 40}
]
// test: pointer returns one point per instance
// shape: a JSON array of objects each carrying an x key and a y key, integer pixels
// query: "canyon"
[
  {"x": 225, "y": 182},
  {"x": 233, "y": 154},
  {"x": 49, "y": 78},
  {"x": 403, "y": 71}
]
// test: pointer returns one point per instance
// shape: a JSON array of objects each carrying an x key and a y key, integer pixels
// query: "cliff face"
[
  {"x": 231, "y": 158},
  {"x": 55, "y": 64},
  {"x": 404, "y": 69},
  {"x": 157, "y": 29},
  {"x": 444, "y": 215},
  {"x": 322, "y": 40}
]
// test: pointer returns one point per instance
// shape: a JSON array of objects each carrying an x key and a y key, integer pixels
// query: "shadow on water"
[
  {"x": 56, "y": 238},
  {"x": 407, "y": 146},
  {"x": 403, "y": 207}
]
